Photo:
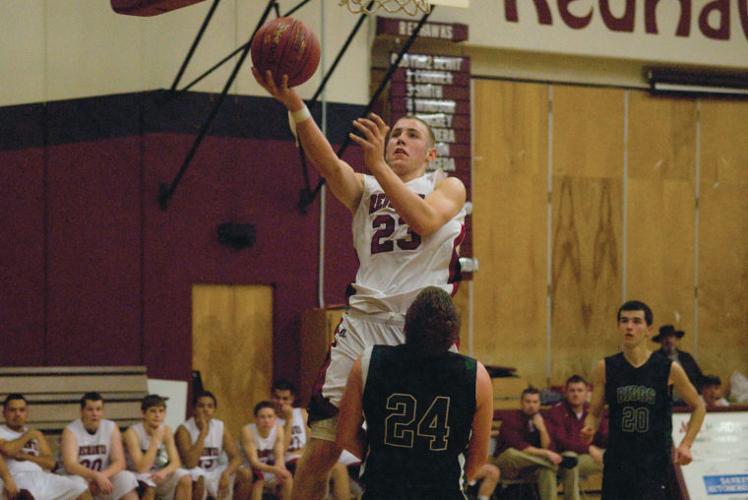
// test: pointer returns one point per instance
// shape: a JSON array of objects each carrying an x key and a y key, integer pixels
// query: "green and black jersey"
[{"x": 419, "y": 413}]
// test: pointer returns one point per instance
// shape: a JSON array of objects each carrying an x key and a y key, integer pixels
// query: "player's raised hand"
[
  {"x": 373, "y": 139},
  {"x": 286, "y": 412},
  {"x": 158, "y": 436},
  {"x": 283, "y": 93},
  {"x": 201, "y": 422},
  {"x": 682, "y": 455}
]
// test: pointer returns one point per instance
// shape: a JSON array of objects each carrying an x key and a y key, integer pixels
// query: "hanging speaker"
[
  {"x": 238, "y": 236},
  {"x": 149, "y": 7}
]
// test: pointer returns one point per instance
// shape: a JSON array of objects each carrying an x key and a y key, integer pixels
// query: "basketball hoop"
[{"x": 409, "y": 7}]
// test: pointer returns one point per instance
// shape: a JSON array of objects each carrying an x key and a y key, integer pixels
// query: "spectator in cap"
[
  {"x": 668, "y": 338},
  {"x": 711, "y": 392}
]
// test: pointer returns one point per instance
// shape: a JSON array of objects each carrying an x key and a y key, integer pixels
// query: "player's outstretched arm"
[
  {"x": 345, "y": 184},
  {"x": 69, "y": 452},
  {"x": 350, "y": 435},
  {"x": 232, "y": 452},
  {"x": 597, "y": 403},
  {"x": 482, "y": 422},
  {"x": 698, "y": 409},
  {"x": 45, "y": 459},
  {"x": 423, "y": 215},
  {"x": 117, "y": 460}
]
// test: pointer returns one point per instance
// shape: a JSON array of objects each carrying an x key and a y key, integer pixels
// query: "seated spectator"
[
  {"x": 264, "y": 445},
  {"x": 92, "y": 451},
  {"x": 201, "y": 441},
  {"x": 29, "y": 458},
  {"x": 711, "y": 392},
  {"x": 669, "y": 338},
  {"x": 565, "y": 422},
  {"x": 524, "y": 446},
  {"x": 153, "y": 454},
  {"x": 295, "y": 432}
]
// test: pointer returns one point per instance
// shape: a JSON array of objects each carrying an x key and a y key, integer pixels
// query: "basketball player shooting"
[{"x": 407, "y": 226}]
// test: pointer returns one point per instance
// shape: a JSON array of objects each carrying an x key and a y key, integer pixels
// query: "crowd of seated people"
[
  {"x": 546, "y": 448},
  {"x": 200, "y": 459}
]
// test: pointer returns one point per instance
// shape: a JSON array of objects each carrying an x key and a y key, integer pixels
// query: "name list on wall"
[{"x": 436, "y": 89}]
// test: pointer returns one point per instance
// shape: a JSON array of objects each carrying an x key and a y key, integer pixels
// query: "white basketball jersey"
[
  {"x": 264, "y": 445},
  {"x": 213, "y": 442},
  {"x": 395, "y": 262},
  {"x": 298, "y": 434},
  {"x": 93, "y": 449},
  {"x": 144, "y": 442},
  {"x": 31, "y": 447}
]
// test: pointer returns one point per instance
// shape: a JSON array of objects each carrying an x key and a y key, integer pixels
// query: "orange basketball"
[{"x": 286, "y": 46}]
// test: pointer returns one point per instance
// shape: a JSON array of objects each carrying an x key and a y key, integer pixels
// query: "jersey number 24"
[{"x": 402, "y": 426}]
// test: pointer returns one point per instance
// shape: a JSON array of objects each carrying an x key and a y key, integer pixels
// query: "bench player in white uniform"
[
  {"x": 153, "y": 454},
  {"x": 8, "y": 487},
  {"x": 29, "y": 458},
  {"x": 264, "y": 446},
  {"x": 92, "y": 452},
  {"x": 407, "y": 225},
  {"x": 295, "y": 431},
  {"x": 201, "y": 441}
]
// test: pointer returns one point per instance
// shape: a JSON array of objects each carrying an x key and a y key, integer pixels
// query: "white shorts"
[
  {"x": 123, "y": 483},
  {"x": 167, "y": 488},
  {"x": 356, "y": 332},
  {"x": 48, "y": 486},
  {"x": 212, "y": 478}
]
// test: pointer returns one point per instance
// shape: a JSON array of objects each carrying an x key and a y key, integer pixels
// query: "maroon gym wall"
[{"x": 95, "y": 273}]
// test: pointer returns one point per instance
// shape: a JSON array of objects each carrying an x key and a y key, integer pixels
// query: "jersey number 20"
[{"x": 401, "y": 428}]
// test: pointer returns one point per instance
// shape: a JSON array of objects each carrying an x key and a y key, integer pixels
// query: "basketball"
[{"x": 286, "y": 46}]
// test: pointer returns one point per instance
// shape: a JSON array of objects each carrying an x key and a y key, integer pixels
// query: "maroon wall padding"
[
  {"x": 149, "y": 7},
  {"x": 94, "y": 243},
  {"x": 22, "y": 316},
  {"x": 121, "y": 270}
]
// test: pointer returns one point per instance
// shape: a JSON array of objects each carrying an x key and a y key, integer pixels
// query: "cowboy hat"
[{"x": 667, "y": 330}]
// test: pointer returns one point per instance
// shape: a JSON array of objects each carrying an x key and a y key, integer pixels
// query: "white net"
[{"x": 409, "y": 7}]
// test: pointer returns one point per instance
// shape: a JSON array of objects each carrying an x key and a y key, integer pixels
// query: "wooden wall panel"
[
  {"x": 723, "y": 238},
  {"x": 510, "y": 217},
  {"x": 232, "y": 346},
  {"x": 587, "y": 198},
  {"x": 660, "y": 229}
]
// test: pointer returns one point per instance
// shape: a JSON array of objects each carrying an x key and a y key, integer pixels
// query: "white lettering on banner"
[
  {"x": 427, "y": 106},
  {"x": 444, "y": 134},
  {"x": 438, "y": 77},
  {"x": 446, "y": 164},
  {"x": 442, "y": 149},
  {"x": 437, "y": 120},
  {"x": 444, "y": 31},
  {"x": 427, "y": 90},
  {"x": 421, "y": 61}
]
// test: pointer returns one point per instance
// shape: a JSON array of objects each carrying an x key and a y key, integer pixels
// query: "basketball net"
[{"x": 410, "y": 7}]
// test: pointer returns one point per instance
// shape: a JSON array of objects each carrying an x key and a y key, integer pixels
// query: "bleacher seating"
[{"x": 54, "y": 393}]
